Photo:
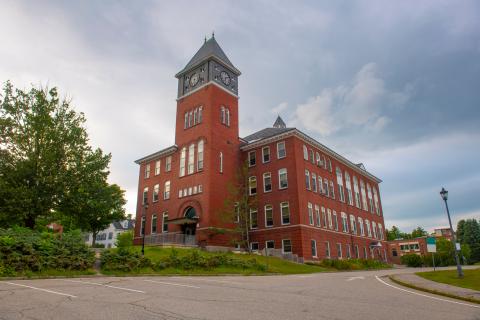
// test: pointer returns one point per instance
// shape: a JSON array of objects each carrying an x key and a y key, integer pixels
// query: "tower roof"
[
  {"x": 210, "y": 49},
  {"x": 279, "y": 123}
]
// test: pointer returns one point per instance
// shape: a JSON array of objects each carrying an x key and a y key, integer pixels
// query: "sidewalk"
[{"x": 417, "y": 282}]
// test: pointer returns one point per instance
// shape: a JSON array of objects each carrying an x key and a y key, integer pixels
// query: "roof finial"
[
  {"x": 213, "y": 34},
  {"x": 205, "y": 38}
]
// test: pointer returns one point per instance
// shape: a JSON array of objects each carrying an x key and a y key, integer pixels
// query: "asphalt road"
[{"x": 345, "y": 295}]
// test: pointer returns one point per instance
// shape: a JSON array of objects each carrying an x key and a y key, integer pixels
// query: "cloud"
[
  {"x": 279, "y": 108},
  {"x": 362, "y": 104}
]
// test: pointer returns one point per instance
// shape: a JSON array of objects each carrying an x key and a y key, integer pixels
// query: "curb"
[{"x": 440, "y": 293}]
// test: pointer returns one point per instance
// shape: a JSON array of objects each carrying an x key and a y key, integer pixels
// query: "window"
[
  {"x": 254, "y": 246},
  {"x": 344, "y": 222},
  {"x": 166, "y": 190},
  {"x": 348, "y": 185},
  {"x": 365, "y": 253},
  {"x": 110, "y": 235},
  {"x": 165, "y": 222},
  {"x": 200, "y": 156},
  {"x": 200, "y": 116},
  {"x": 265, "y": 154},
  {"x": 317, "y": 215},
  {"x": 369, "y": 231},
  {"x": 220, "y": 156},
  {"x": 320, "y": 185},
  {"x": 335, "y": 220},
  {"x": 307, "y": 180},
  {"x": 282, "y": 179},
  {"x": 305, "y": 152},
  {"x": 286, "y": 246},
  {"x": 314, "y": 182},
  {"x": 357, "y": 192},
  {"x": 312, "y": 158},
  {"x": 147, "y": 170},
  {"x": 156, "y": 190},
  {"x": 341, "y": 193},
  {"x": 195, "y": 114},
  {"x": 339, "y": 250},
  {"x": 270, "y": 244},
  {"x": 168, "y": 163},
  {"x": 329, "y": 165},
  {"x": 142, "y": 226},
  {"x": 324, "y": 162},
  {"x": 180, "y": 193},
  {"x": 375, "y": 199},
  {"x": 332, "y": 190},
  {"x": 185, "y": 124},
  {"x": 348, "y": 251},
  {"x": 281, "y": 151},
  {"x": 327, "y": 249},
  {"x": 370, "y": 198},
  {"x": 190, "y": 118},
  {"x": 154, "y": 223},
  {"x": 357, "y": 252},
  {"x": 325, "y": 187},
  {"x": 394, "y": 252},
  {"x": 380, "y": 231},
  {"x": 252, "y": 158},
  {"x": 183, "y": 155},
  {"x": 157, "y": 167},
  {"x": 268, "y": 215},
  {"x": 314, "y": 248},
  {"x": 236, "y": 209},
  {"x": 222, "y": 115},
  {"x": 253, "y": 219},
  {"x": 252, "y": 185},
  {"x": 374, "y": 229},
  {"x": 330, "y": 224},
  {"x": 310, "y": 214},
  {"x": 285, "y": 211},
  {"x": 364, "y": 195},
  {"x": 353, "y": 224},
  {"x": 324, "y": 217},
  {"x": 227, "y": 111},
  {"x": 360, "y": 226},
  {"x": 318, "y": 159},
  {"x": 191, "y": 158},
  {"x": 267, "y": 182}
]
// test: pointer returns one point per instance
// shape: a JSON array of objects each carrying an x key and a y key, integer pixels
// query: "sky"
[{"x": 392, "y": 84}]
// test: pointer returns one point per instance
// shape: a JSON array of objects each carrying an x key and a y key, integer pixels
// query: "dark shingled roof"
[
  {"x": 266, "y": 133},
  {"x": 210, "y": 48},
  {"x": 279, "y": 123},
  {"x": 119, "y": 225}
]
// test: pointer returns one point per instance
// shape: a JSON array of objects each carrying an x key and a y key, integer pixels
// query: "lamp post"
[
  {"x": 444, "y": 194},
  {"x": 142, "y": 226}
]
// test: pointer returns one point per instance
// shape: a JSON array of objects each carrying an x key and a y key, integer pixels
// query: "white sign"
[
  {"x": 458, "y": 246},
  {"x": 431, "y": 245}
]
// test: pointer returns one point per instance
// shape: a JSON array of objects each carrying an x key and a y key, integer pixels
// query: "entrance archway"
[{"x": 190, "y": 218}]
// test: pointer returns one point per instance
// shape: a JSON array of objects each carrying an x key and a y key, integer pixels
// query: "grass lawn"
[
  {"x": 275, "y": 265},
  {"x": 470, "y": 281}
]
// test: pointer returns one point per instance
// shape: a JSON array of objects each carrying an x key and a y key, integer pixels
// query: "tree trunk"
[
  {"x": 94, "y": 234},
  {"x": 29, "y": 222}
]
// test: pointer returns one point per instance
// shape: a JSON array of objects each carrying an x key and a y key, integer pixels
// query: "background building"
[
  {"x": 108, "y": 237},
  {"x": 310, "y": 201}
]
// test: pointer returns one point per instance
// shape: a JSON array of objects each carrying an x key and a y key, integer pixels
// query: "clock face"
[
  {"x": 194, "y": 79},
  {"x": 225, "y": 78}
]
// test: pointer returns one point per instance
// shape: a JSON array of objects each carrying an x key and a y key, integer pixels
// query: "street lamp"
[
  {"x": 144, "y": 222},
  {"x": 444, "y": 194}
]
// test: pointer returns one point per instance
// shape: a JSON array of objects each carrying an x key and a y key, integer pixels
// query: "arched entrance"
[{"x": 190, "y": 221}]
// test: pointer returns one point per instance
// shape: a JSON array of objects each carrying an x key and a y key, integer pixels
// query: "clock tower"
[{"x": 207, "y": 111}]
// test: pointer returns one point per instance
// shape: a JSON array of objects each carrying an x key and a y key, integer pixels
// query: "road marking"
[
  {"x": 45, "y": 290},
  {"x": 355, "y": 278},
  {"x": 301, "y": 276},
  {"x": 208, "y": 280},
  {"x": 103, "y": 285},
  {"x": 173, "y": 284},
  {"x": 427, "y": 296}
]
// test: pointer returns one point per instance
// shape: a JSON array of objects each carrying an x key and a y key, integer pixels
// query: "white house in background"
[{"x": 108, "y": 237}]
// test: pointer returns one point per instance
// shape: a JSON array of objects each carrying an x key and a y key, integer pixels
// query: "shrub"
[
  {"x": 123, "y": 260},
  {"x": 124, "y": 240},
  {"x": 412, "y": 260},
  {"x": 353, "y": 264}
]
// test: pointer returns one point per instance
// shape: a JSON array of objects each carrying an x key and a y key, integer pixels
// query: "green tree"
[
  {"x": 418, "y": 232},
  {"x": 393, "y": 233},
  {"x": 124, "y": 240},
  {"x": 468, "y": 232},
  {"x": 46, "y": 164}
]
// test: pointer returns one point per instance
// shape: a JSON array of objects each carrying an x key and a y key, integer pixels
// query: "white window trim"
[
  {"x": 284, "y": 148},
  {"x": 265, "y": 212},
  {"x": 269, "y": 154},
  {"x": 266, "y": 174}
]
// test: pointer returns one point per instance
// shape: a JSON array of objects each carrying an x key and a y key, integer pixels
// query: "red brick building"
[
  {"x": 400, "y": 247},
  {"x": 311, "y": 201}
]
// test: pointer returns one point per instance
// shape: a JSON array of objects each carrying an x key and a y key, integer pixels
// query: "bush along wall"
[{"x": 24, "y": 251}]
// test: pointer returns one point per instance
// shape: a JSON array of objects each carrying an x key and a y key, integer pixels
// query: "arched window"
[
  {"x": 353, "y": 224},
  {"x": 375, "y": 199},
  {"x": 191, "y": 158},
  {"x": 154, "y": 224},
  {"x": 252, "y": 185},
  {"x": 200, "y": 116},
  {"x": 185, "y": 125},
  {"x": 305, "y": 152},
  {"x": 360, "y": 226},
  {"x": 341, "y": 192},
  {"x": 370, "y": 198},
  {"x": 183, "y": 155},
  {"x": 356, "y": 189},
  {"x": 227, "y": 122},
  {"x": 222, "y": 114},
  {"x": 307, "y": 179},
  {"x": 166, "y": 190},
  {"x": 200, "y": 156},
  {"x": 364, "y": 195},
  {"x": 348, "y": 186}
]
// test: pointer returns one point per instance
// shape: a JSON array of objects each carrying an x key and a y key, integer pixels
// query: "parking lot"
[{"x": 349, "y": 295}]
